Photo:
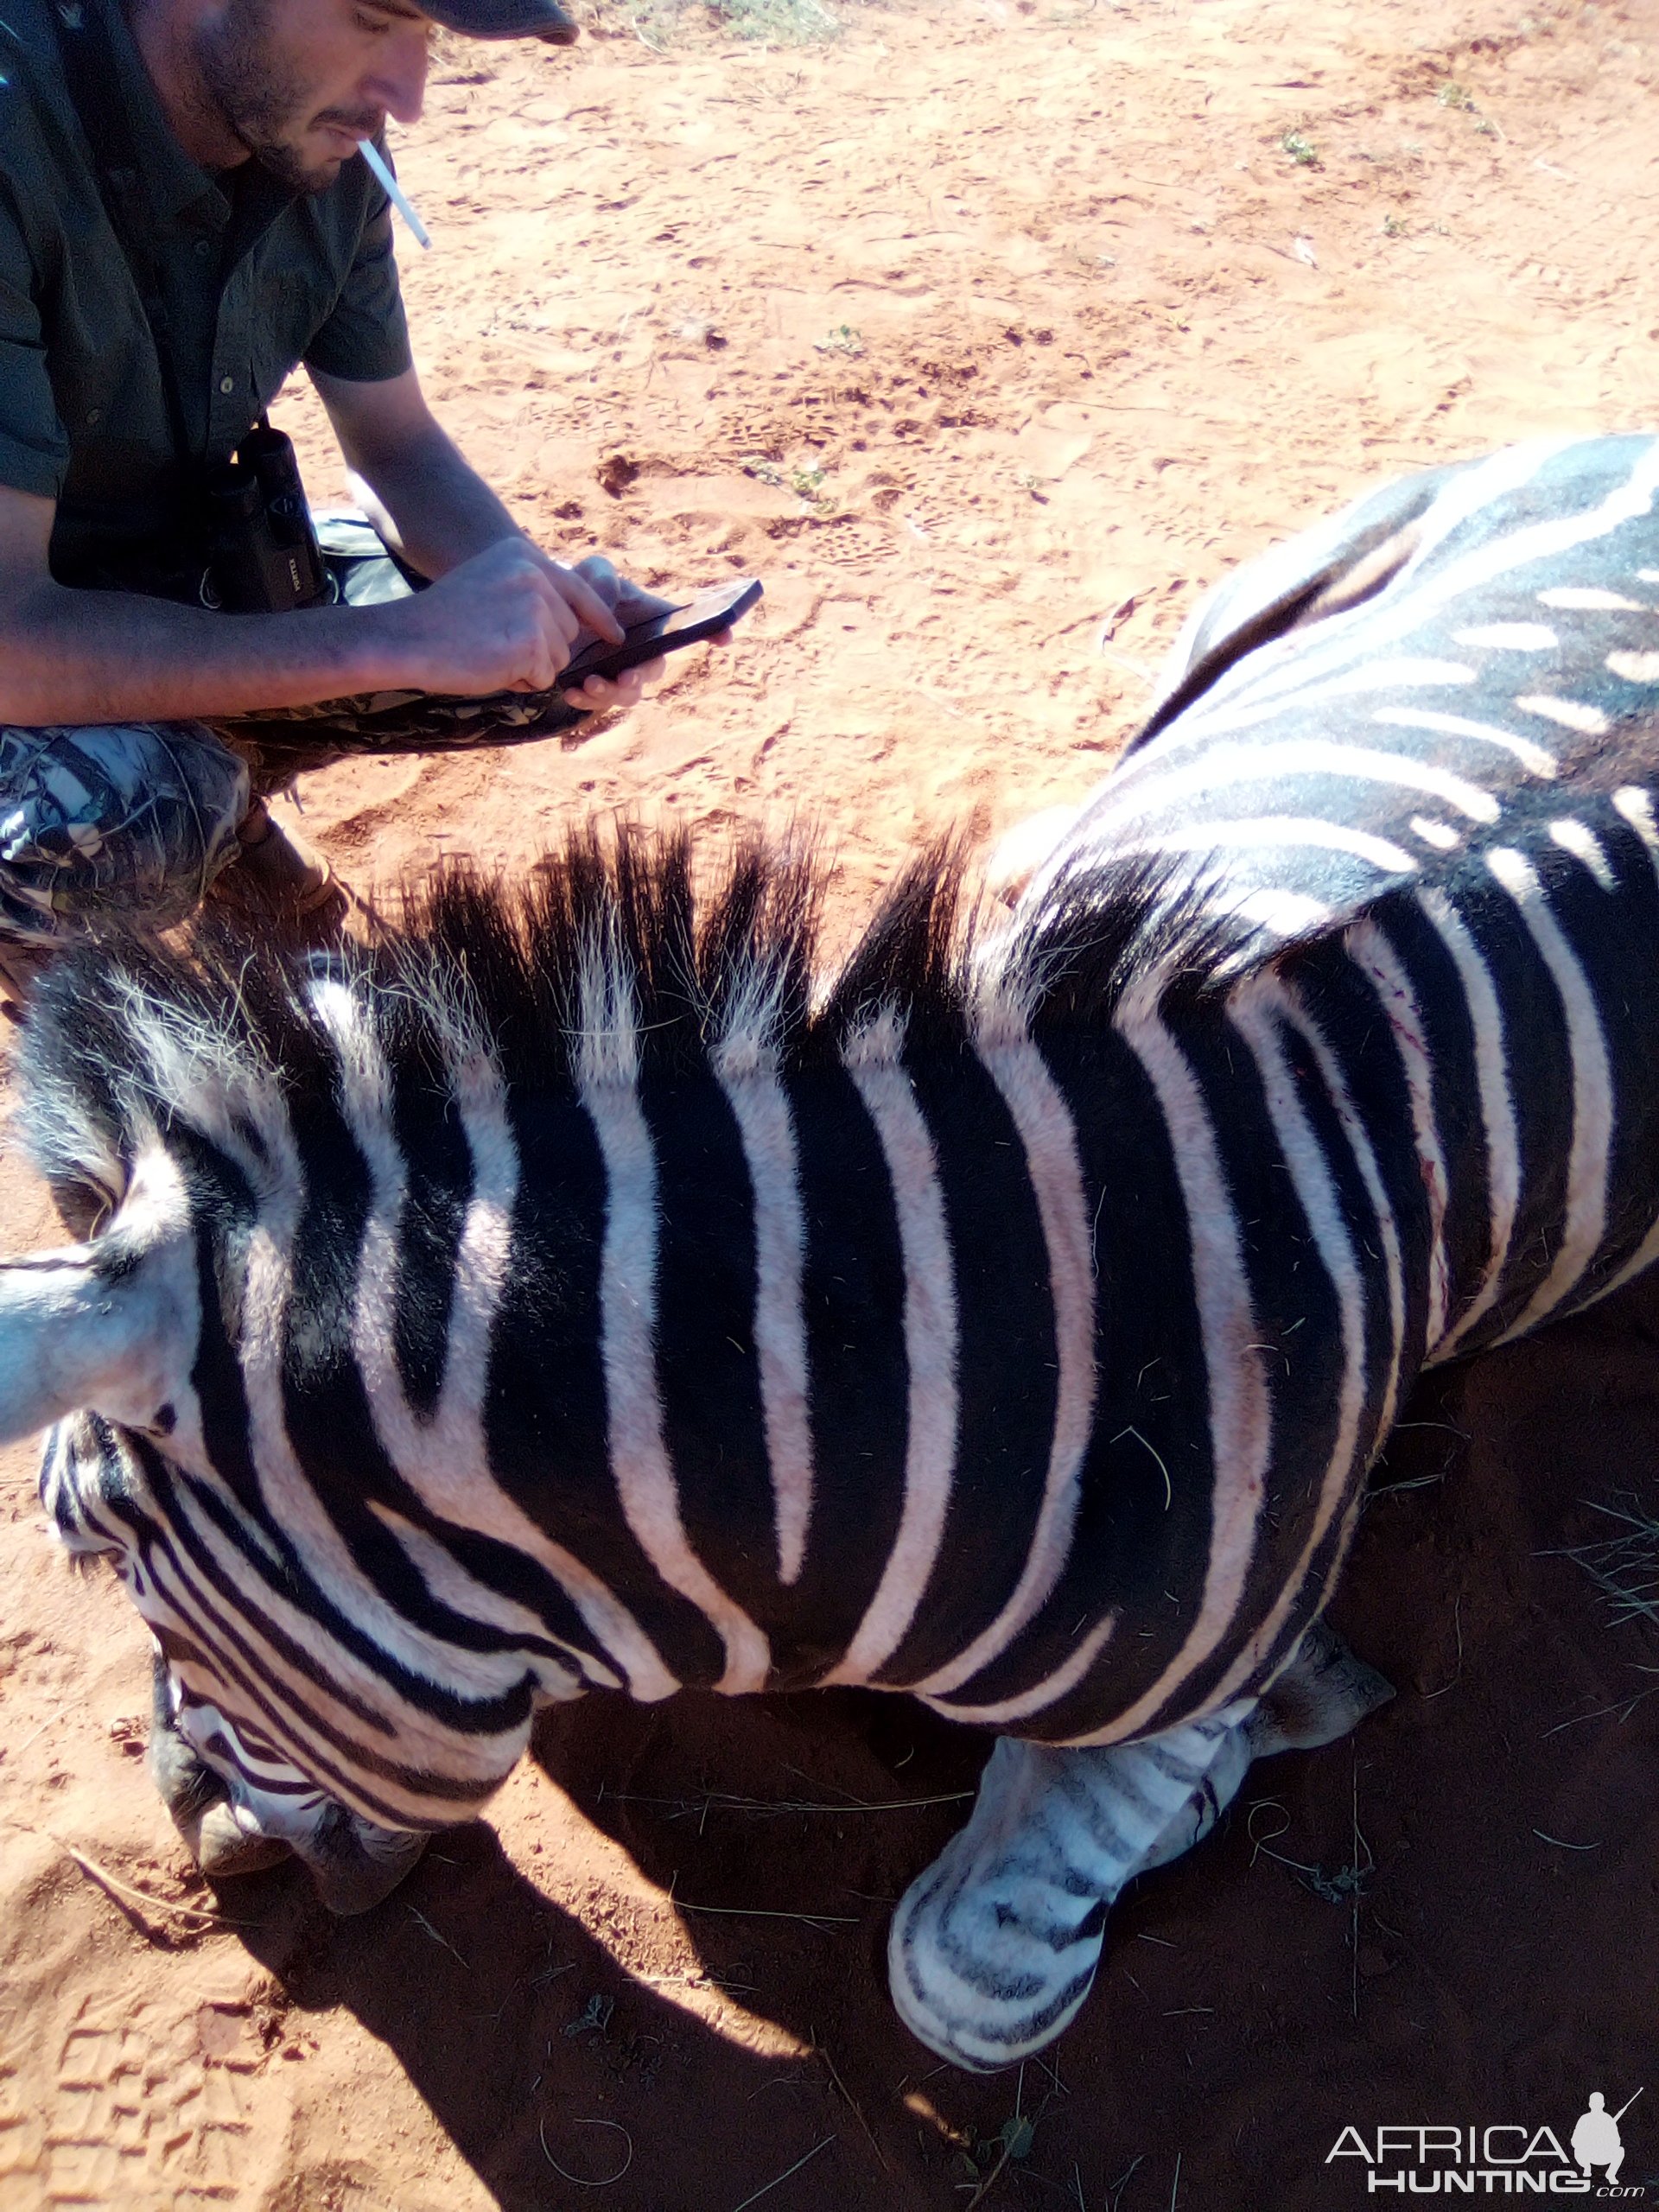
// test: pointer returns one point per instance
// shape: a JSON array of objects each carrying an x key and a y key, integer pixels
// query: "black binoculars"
[{"x": 263, "y": 548}]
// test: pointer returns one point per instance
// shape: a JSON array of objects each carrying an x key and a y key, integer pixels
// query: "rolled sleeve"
[
  {"x": 34, "y": 447},
  {"x": 366, "y": 338}
]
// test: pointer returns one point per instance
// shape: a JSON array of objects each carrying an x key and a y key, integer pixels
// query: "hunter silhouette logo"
[
  {"x": 1596, "y": 2141},
  {"x": 1508, "y": 2158}
]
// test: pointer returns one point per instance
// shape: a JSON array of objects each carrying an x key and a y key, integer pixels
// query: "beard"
[{"x": 261, "y": 94}]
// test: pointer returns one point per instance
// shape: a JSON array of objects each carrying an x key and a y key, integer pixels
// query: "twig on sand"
[
  {"x": 858, "y": 2111},
  {"x": 575, "y": 2180},
  {"x": 1457, "y": 1620},
  {"x": 114, "y": 1883},
  {"x": 1116, "y": 2189},
  {"x": 1175, "y": 2186},
  {"x": 766, "y": 2187},
  {"x": 443, "y": 1939},
  {"x": 819, "y": 1920}
]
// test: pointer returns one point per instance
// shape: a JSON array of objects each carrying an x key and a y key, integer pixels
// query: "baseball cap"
[{"x": 542, "y": 19}]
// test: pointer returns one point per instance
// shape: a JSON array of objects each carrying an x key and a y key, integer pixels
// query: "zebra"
[{"x": 585, "y": 1286}]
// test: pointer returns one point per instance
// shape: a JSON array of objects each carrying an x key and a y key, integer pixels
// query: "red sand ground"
[{"x": 1066, "y": 332}]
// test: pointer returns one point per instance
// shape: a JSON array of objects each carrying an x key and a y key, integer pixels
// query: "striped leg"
[{"x": 994, "y": 1949}]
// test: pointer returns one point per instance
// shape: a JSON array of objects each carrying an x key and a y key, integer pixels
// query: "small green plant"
[
  {"x": 1393, "y": 226},
  {"x": 807, "y": 482},
  {"x": 842, "y": 340},
  {"x": 1300, "y": 148},
  {"x": 978, "y": 2168},
  {"x": 762, "y": 470},
  {"x": 780, "y": 23},
  {"x": 1453, "y": 96}
]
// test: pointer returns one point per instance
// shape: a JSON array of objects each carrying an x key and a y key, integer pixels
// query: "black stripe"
[
  {"x": 1131, "y": 1542},
  {"x": 853, "y": 1305},
  {"x": 1007, "y": 1366},
  {"x": 1614, "y": 934},
  {"x": 708, "y": 1370},
  {"x": 1538, "y": 1070},
  {"x": 544, "y": 1415},
  {"x": 426, "y": 1127}
]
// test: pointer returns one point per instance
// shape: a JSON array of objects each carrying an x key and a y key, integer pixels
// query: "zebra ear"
[{"x": 109, "y": 1327}]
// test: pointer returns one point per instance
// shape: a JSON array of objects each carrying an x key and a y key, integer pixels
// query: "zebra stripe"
[
  {"x": 1044, "y": 1122},
  {"x": 873, "y": 1058},
  {"x": 1592, "y": 1136},
  {"x": 748, "y": 1073},
  {"x": 644, "y": 1477}
]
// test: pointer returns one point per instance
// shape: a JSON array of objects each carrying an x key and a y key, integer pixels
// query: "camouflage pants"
[{"x": 134, "y": 820}]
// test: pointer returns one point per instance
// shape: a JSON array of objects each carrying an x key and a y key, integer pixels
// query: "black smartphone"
[{"x": 705, "y": 616}]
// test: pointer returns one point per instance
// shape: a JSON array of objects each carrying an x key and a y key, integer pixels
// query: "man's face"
[{"x": 300, "y": 82}]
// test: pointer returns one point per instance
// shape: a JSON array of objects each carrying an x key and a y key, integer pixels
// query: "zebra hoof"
[
  {"x": 222, "y": 1849},
  {"x": 199, "y": 1804},
  {"x": 354, "y": 1865}
]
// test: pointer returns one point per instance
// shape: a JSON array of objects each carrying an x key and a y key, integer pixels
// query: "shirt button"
[
  {"x": 94, "y": 415},
  {"x": 204, "y": 247},
  {"x": 227, "y": 384}
]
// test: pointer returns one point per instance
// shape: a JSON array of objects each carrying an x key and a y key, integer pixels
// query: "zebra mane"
[{"x": 610, "y": 949}]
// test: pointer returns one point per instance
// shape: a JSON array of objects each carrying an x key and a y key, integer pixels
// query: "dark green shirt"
[{"x": 255, "y": 279}]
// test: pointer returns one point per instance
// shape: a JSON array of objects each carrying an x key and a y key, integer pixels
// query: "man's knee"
[{"x": 113, "y": 821}]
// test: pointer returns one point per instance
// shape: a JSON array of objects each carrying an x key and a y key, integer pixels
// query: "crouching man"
[{"x": 187, "y": 217}]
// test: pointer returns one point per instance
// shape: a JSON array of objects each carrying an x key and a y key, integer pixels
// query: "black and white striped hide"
[{"x": 579, "y": 1288}]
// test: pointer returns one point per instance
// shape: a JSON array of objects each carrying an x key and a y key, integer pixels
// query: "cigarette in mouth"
[{"x": 393, "y": 190}]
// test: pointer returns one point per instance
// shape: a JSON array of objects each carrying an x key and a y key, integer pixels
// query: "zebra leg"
[
  {"x": 994, "y": 1949},
  {"x": 197, "y": 1801},
  {"x": 353, "y": 1863}
]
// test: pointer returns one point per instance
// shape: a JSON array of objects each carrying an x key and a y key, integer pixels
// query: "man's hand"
[
  {"x": 631, "y": 604},
  {"x": 508, "y": 620}
]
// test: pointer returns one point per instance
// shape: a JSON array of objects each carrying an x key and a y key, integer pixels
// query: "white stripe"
[
  {"x": 1226, "y": 763},
  {"x": 1529, "y": 753},
  {"x": 1496, "y": 1110},
  {"x": 1264, "y": 700},
  {"x": 1359, "y": 1138},
  {"x": 1374, "y": 957},
  {"x": 1592, "y": 1092},
  {"x": 930, "y": 1345},
  {"x": 1591, "y": 598},
  {"x": 445, "y": 1458},
  {"x": 286, "y": 1491},
  {"x": 1635, "y": 668},
  {"x": 1440, "y": 834},
  {"x": 1240, "y": 1411},
  {"x": 1255, "y": 1010},
  {"x": 1580, "y": 839},
  {"x": 1637, "y": 807},
  {"x": 1040, "y": 1695},
  {"x": 1049, "y": 1136},
  {"x": 1570, "y": 713},
  {"x": 639, "y": 1462},
  {"x": 1283, "y": 913},
  {"x": 760, "y": 1107},
  {"x": 1271, "y": 831}
]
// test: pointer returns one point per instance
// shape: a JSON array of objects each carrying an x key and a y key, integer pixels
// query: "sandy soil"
[{"x": 987, "y": 335}]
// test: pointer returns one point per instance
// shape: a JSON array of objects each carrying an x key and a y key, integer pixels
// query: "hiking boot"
[
  {"x": 278, "y": 873},
  {"x": 20, "y": 965}
]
